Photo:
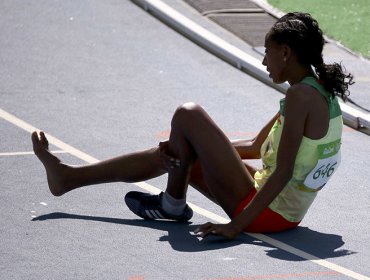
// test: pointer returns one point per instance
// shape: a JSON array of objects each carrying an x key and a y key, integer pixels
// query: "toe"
[
  {"x": 43, "y": 140},
  {"x": 42, "y": 136},
  {"x": 35, "y": 138}
]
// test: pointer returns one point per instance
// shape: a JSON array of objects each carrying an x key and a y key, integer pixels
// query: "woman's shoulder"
[
  {"x": 302, "y": 89},
  {"x": 304, "y": 100},
  {"x": 302, "y": 93}
]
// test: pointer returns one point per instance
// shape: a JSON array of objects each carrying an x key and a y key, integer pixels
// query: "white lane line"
[
  {"x": 27, "y": 153},
  {"x": 56, "y": 142},
  {"x": 205, "y": 213}
]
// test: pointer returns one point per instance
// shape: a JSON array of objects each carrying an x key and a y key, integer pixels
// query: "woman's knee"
[{"x": 186, "y": 114}]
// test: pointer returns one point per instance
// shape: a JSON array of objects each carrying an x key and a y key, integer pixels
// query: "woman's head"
[{"x": 302, "y": 35}]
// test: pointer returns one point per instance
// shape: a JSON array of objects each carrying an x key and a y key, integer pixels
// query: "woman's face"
[{"x": 275, "y": 60}]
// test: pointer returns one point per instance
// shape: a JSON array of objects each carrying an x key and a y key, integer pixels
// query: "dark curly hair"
[{"x": 303, "y": 35}]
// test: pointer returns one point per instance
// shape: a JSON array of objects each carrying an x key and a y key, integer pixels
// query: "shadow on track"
[
  {"x": 181, "y": 238},
  {"x": 321, "y": 245}
]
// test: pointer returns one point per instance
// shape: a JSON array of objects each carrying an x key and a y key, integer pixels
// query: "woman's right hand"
[{"x": 168, "y": 160}]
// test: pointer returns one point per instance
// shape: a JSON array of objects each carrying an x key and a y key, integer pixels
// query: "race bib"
[{"x": 329, "y": 160}]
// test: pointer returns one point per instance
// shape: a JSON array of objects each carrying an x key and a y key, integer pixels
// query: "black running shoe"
[{"x": 149, "y": 207}]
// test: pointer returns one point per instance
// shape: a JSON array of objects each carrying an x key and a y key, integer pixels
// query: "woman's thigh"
[
  {"x": 224, "y": 174},
  {"x": 197, "y": 179}
]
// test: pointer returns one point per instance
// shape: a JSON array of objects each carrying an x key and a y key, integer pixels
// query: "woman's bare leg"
[
  {"x": 62, "y": 178},
  {"x": 197, "y": 181},
  {"x": 194, "y": 136},
  {"x": 223, "y": 178}
]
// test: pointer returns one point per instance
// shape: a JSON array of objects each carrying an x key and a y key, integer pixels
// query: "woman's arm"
[
  {"x": 250, "y": 149},
  {"x": 296, "y": 112}
]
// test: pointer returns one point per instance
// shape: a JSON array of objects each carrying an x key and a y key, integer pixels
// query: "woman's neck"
[{"x": 298, "y": 73}]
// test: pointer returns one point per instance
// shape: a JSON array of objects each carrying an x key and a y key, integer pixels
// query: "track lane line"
[
  {"x": 205, "y": 213},
  {"x": 9, "y": 154},
  {"x": 56, "y": 142}
]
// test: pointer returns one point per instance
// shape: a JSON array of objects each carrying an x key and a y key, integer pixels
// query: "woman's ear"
[{"x": 286, "y": 52}]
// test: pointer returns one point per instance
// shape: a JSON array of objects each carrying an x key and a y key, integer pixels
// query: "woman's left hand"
[
  {"x": 169, "y": 161},
  {"x": 226, "y": 230}
]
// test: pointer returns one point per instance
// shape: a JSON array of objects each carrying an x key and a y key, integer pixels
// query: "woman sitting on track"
[{"x": 299, "y": 147}]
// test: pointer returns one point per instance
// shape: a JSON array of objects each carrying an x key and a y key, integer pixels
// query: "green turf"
[{"x": 345, "y": 21}]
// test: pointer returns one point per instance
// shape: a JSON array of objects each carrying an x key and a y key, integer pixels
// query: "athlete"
[{"x": 299, "y": 147}]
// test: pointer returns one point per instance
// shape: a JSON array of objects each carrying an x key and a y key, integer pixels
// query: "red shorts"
[{"x": 267, "y": 221}]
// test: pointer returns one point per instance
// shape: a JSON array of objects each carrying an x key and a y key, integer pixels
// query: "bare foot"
[{"x": 56, "y": 171}]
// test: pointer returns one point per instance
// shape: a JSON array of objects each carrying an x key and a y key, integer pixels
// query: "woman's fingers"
[
  {"x": 170, "y": 161},
  {"x": 206, "y": 229},
  {"x": 224, "y": 230}
]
